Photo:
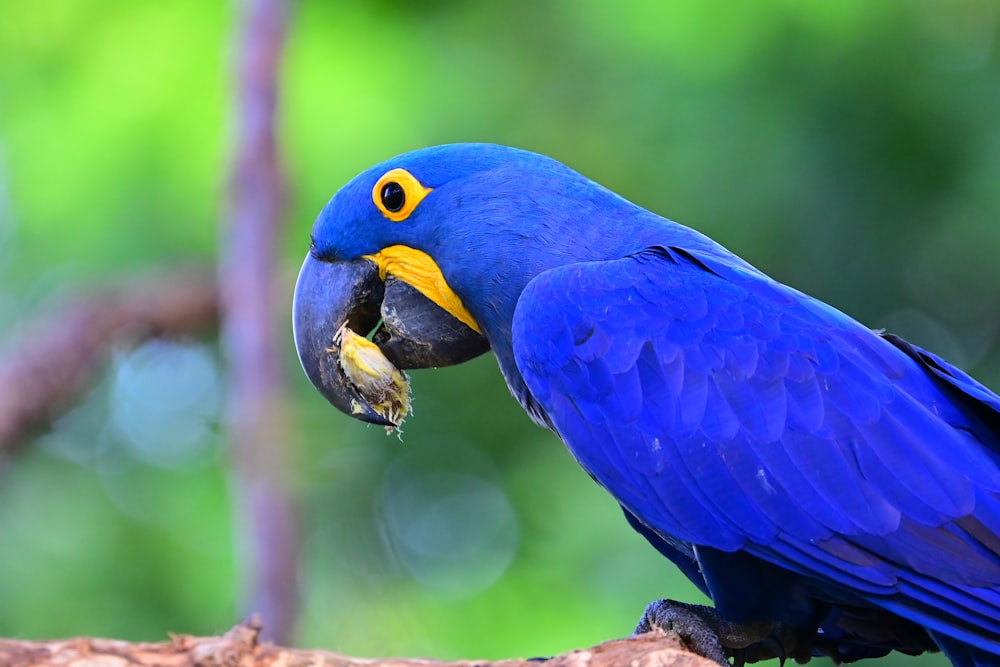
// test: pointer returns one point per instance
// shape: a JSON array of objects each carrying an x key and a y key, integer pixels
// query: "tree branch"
[
  {"x": 256, "y": 419},
  {"x": 241, "y": 647},
  {"x": 51, "y": 364}
]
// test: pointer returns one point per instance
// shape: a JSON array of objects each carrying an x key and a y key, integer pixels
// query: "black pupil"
[{"x": 393, "y": 196}]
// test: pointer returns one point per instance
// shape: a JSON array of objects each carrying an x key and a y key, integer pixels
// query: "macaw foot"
[{"x": 706, "y": 633}]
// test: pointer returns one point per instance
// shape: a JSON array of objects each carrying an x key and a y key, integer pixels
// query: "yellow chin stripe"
[{"x": 418, "y": 269}]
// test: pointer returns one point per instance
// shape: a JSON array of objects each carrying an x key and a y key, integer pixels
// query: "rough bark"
[
  {"x": 241, "y": 647},
  {"x": 52, "y": 361}
]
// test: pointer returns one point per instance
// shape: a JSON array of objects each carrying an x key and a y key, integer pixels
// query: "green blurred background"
[{"x": 851, "y": 149}]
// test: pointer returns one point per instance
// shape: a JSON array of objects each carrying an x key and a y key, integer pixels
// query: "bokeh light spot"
[
  {"x": 165, "y": 399},
  {"x": 454, "y": 532}
]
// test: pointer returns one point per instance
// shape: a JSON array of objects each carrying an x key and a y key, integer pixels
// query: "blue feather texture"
[
  {"x": 796, "y": 465},
  {"x": 732, "y": 413}
]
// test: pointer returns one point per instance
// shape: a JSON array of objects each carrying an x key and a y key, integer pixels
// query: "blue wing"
[{"x": 730, "y": 414}]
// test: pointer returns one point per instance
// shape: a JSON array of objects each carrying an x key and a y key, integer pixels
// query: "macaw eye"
[
  {"x": 397, "y": 193},
  {"x": 393, "y": 196}
]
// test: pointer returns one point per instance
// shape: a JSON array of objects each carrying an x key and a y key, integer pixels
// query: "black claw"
[
  {"x": 775, "y": 646},
  {"x": 689, "y": 623},
  {"x": 708, "y": 634}
]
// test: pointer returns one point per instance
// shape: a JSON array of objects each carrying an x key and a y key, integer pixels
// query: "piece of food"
[{"x": 382, "y": 385}]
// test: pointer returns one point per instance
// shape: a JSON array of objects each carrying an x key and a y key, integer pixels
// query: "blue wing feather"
[{"x": 726, "y": 411}]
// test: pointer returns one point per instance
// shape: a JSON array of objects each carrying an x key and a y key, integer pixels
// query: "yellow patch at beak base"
[{"x": 418, "y": 269}]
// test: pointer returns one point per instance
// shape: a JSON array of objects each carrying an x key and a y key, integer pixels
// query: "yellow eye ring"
[{"x": 397, "y": 193}]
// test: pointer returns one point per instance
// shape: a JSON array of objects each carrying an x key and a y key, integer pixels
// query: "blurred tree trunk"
[{"x": 257, "y": 425}]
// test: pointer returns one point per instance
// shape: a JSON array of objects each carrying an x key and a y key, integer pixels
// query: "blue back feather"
[{"x": 733, "y": 413}]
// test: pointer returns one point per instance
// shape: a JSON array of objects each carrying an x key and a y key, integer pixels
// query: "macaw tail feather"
[{"x": 963, "y": 655}]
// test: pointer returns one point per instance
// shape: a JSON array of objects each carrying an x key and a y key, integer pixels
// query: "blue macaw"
[{"x": 833, "y": 489}]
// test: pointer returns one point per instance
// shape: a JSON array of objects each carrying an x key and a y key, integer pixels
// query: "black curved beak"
[{"x": 410, "y": 329}]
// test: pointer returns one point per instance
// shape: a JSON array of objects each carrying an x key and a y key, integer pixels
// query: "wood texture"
[{"x": 241, "y": 647}]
